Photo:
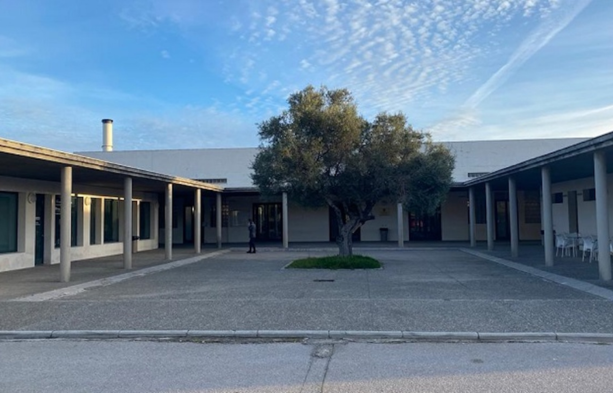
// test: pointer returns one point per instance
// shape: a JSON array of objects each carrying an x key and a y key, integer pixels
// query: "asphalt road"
[
  {"x": 424, "y": 290},
  {"x": 324, "y": 366}
]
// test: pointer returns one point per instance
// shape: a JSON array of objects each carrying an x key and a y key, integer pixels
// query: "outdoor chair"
[
  {"x": 563, "y": 244},
  {"x": 576, "y": 242},
  {"x": 590, "y": 245}
]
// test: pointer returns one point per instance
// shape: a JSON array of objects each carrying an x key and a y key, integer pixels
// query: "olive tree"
[{"x": 322, "y": 152}]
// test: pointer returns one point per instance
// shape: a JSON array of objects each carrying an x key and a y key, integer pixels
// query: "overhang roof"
[
  {"x": 26, "y": 161},
  {"x": 569, "y": 163}
]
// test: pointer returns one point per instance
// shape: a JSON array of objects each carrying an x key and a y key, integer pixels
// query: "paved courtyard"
[{"x": 417, "y": 290}]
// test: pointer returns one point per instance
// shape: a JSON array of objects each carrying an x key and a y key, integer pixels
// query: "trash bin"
[
  {"x": 134, "y": 244},
  {"x": 383, "y": 234}
]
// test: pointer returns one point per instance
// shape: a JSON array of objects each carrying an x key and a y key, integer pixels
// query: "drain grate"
[{"x": 322, "y": 280}]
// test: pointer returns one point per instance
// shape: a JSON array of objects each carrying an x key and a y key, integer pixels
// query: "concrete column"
[
  {"x": 168, "y": 223},
  {"x": 547, "y": 215},
  {"x": 285, "y": 221},
  {"x": 514, "y": 225},
  {"x": 197, "y": 220},
  {"x": 218, "y": 219},
  {"x": 400, "y": 219},
  {"x": 472, "y": 217},
  {"x": 602, "y": 215},
  {"x": 127, "y": 223},
  {"x": 65, "y": 223},
  {"x": 489, "y": 209}
]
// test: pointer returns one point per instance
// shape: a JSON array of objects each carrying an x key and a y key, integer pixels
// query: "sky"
[{"x": 178, "y": 74}]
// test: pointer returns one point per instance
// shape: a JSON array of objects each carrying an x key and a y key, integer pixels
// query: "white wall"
[
  {"x": 308, "y": 224},
  {"x": 586, "y": 210},
  {"x": 386, "y": 216},
  {"x": 26, "y": 237},
  {"x": 454, "y": 216}
]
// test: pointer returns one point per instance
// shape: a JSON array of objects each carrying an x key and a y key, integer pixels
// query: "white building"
[
  {"x": 230, "y": 168},
  {"x": 503, "y": 190}
]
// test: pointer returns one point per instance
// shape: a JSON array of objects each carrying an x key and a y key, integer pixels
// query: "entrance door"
[
  {"x": 333, "y": 228},
  {"x": 268, "y": 221},
  {"x": 39, "y": 248},
  {"x": 188, "y": 223},
  {"x": 425, "y": 226},
  {"x": 502, "y": 220}
]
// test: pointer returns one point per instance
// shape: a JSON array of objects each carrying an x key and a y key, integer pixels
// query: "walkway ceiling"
[{"x": 572, "y": 163}]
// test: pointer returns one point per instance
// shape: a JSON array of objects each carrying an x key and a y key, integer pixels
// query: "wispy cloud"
[
  {"x": 391, "y": 54},
  {"x": 532, "y": 44},
  {"x": 536, "y": 40}
]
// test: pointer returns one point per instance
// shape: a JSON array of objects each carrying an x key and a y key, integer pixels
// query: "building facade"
[{"x": 124, "y": 201}]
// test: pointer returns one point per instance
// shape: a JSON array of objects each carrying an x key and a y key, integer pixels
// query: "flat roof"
[{"x": 35, "y": 162}]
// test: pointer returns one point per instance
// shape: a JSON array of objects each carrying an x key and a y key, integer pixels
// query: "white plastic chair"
[
  {"x": 563, "y": 244},
  {"x": 590, "y": 245},
  {"x": 575, "y": 241}
]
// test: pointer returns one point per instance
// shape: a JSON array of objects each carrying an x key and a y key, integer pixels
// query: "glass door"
[
  {"x": 502, "y": 220},
  {"x": 39, "y": 248},
  {"x": 268, "y": 221}
]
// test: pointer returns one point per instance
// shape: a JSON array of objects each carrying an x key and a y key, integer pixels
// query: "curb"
[{"x": 397, "y": 335}]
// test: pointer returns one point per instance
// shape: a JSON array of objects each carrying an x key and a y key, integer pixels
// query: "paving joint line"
[{"x": 348, "y": 335}]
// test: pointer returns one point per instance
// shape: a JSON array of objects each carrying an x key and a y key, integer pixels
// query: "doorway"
[
  {"x": 502, "y": 220},
  {"x": 268, "y": 221},
  {"x": 39, "y": 248},
  {"x": 425, "y": 227}
]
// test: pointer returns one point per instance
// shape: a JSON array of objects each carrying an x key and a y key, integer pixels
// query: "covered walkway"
[{"x": 43, "y": 278}]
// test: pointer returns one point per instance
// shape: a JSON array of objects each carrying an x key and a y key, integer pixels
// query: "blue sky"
[{"x": 203, "y": 73}]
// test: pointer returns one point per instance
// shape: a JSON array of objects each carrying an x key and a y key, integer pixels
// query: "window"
[
  {"x": 532, "y": 207},
  {"x": 145, "y": 220},
  {"x": 74, "y": 220},
  {"x": 225, "y": 213},
  {"x": 8, "y": 222},
  {"x": 589, "y": 194},
  {"x": 111, "y": 220},
  {"x": 477, "y": 174},
  {"x": 213, "y": 181},
  {"x": 94, "y": 221},
  {"x": 557, "y": 197}
]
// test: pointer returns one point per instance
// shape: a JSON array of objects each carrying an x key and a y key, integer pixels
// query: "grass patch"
[{"x": 336, "y": 262}]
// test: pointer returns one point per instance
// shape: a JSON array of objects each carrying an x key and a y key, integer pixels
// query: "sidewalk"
[
  {"x": 25, "y": 282},
  {"x": 532, "y": 254}
]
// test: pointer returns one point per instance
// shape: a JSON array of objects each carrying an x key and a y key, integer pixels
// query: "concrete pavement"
[
  {"x": 311, "y": 366},
  {"x": 431, "y": 290}
]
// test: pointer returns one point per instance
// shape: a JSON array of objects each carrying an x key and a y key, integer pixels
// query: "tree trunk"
[{"x": 345, "y": 247}]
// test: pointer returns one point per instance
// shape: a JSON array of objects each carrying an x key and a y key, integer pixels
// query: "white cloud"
[{"x": 165, "y": 54}]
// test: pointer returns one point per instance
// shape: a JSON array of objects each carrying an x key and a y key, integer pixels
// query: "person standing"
[{"x": 251, "y": 228}]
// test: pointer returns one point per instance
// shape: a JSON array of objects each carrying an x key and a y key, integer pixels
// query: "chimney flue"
[{"x": 107, "y": 135}]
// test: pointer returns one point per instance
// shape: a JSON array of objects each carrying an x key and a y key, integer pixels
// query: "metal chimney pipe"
[{"x": 107, "y": 135}]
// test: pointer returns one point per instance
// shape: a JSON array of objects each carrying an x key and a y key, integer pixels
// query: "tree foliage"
[{"x": 322, "y": 152}]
